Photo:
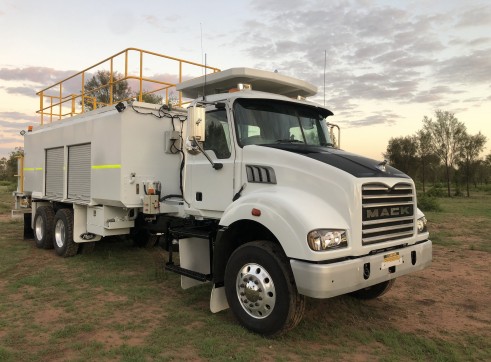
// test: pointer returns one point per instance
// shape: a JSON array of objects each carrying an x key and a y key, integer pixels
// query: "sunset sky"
[{"x": 389, "y": 63}]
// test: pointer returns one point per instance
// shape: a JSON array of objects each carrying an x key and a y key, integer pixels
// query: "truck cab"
[{"x": 343, "y": 223}]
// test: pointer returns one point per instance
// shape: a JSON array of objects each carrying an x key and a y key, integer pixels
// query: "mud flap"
[
  {"x": 218, "y": 300},
  {"x": 28, "y": 231}
]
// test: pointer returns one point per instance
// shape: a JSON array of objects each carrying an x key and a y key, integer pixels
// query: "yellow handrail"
[
  {"x": 63, "y": 101},
  {"x": 20, "y": 173}
]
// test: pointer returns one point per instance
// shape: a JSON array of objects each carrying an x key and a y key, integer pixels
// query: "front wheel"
[
  {"x": 373, "y": 291},
  {"x": 63, "y": 234},
  {"x": 261, "y": 290}
]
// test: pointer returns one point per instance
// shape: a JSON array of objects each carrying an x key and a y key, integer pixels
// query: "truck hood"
[{"x": 355, "y": 165}]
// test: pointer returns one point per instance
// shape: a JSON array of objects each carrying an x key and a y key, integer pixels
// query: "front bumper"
[{"x": 330, "y": 280}]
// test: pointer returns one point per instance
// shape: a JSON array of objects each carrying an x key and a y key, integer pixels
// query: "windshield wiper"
[{"x": 289, "y": 141}]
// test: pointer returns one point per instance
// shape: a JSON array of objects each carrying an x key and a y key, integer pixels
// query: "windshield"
[{"x": 267, "y": 121}]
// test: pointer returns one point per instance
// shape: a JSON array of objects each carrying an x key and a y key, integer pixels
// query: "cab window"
[{"x": 217, "y": 135}]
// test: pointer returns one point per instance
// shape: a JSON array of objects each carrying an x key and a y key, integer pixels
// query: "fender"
[{"x": 289, "y": 218}]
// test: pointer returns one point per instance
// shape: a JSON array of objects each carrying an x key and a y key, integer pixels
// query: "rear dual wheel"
[
  {"x": 63, "y": 234},
  {"x": 43, "y": 227}
]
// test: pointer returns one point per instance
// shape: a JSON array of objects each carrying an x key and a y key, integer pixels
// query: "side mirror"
[{"x": 196, "y": 117}]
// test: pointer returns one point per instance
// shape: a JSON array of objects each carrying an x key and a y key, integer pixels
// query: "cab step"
[{"x": 187, "y": 272}]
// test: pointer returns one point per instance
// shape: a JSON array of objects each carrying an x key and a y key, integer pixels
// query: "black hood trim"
[{"x": 355, "y": 165}]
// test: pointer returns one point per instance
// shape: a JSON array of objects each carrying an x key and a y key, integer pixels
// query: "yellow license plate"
[{"x": 391, "y": 260}]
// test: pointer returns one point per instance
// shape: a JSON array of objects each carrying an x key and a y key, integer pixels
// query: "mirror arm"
[{"x": 215, "y": 165}]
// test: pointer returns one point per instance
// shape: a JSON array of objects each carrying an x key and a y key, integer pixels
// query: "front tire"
[
  {"x": 63, "y": 234},
  {"x": 43, "y": 227},
  {"x": 373, "y": 291},
  {"x": 261, "y": 290}
]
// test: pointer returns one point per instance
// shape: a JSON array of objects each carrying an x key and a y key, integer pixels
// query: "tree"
[
  {"x": 3, "y": 168},
  {"x": 8, "y": 167},
  {"x": 401, "y": 153},
  {"x": 446, "y": 139},
  {"x": 424, "y": 152},
  {"x": 472, "y": 146},
  {"x": 98, "y": 89},
  {"x": 150, "y": 97}
]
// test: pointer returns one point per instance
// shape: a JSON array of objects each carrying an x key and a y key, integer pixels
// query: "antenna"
[
  {"x": 204, "y": 84},
  {"x": 325, "y": 61},
  {"x": 201, "y": 31},
  {"x": 205, "y": 69}
]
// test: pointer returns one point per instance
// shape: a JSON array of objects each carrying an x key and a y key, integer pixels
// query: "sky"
[{"x": 386, "y": 64}]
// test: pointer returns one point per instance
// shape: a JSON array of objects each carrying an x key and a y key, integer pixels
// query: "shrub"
[
  {"x": 437, "y": 190},
  {"x": 458, "y": 192},
  {"x": 429, "y": 203}
]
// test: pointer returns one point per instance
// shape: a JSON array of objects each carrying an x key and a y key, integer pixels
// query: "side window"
[
  {"x": 217, "y": 135},
  {"x": 253, "y": 131}
]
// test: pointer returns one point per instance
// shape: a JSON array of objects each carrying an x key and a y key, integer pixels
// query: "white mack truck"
[{"x": 246, "y": 183}]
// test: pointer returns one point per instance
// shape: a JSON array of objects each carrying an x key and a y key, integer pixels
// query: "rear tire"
[
  {"x": 373, "y": 291},
  {"x": 28, "y": 230},
  {"x": 142, "y": 238},
  {"x": 261, "y": 290},
  {"x": 43, "y": 227},
  {"x": 63, "y": 234}
]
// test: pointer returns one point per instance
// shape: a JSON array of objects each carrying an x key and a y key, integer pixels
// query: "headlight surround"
[
  {"x": 421, "y": 225},
  {"x": 327, "y": 239}
]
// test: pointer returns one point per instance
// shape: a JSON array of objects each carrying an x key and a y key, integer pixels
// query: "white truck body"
[{"x": 100, "y": 164}]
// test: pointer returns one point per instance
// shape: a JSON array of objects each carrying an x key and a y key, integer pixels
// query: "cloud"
[
  {"x": 5, "y": 140},
  {"x": 384, "y": 118},
  {"x": 166, "y": 25},
  {"x": 25, "y": 91},
  {"x": 472, "y": 68},
  {"x": 479, "y": 41},
  {"x": 17, "y": 116},
  {"x": 41, "y": 75},
  {"x": 475, "y": 17},
  {"x": 435, "y": 94},
  {"x": 374, "y": 52}
]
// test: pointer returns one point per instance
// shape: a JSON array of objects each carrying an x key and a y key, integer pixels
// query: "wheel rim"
[
  {"x": 256, "y": 291},
  {"x": 39, "y": 228},
  {"x": 60, "y": 233}
]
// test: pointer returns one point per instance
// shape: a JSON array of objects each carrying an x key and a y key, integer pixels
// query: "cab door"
[{"x": 207, "y": 188}]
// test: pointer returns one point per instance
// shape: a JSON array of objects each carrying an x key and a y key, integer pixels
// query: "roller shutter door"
[
  {"x": 54, "y": 172},
  {"x": 79, "y": 172}
]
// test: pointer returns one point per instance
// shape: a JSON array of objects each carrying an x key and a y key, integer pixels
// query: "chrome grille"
[{"x": 387, "y": 212}]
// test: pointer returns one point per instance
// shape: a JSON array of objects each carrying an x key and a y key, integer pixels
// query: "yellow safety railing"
[
  {"x": 60, "y": 100},
  {"x": 20, "y": 173}
]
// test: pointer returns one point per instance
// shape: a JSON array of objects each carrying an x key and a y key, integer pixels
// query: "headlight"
[
  {"x": 421, "y": 224},
  {"x": 326, "y": 239}
]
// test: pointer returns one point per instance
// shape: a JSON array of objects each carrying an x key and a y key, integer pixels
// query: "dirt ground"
[
  {"x": 452, "y": 295},
  {"x": 450, "y": 298}
]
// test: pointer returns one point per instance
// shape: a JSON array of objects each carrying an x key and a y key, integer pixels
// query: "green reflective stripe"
[
  {"x": 33, "y": 168},
  {"x": 98, "y": 167}
]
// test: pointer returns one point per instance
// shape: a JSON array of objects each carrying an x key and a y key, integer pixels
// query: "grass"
[
  {"x": 462, "y": 222},
  {"x": 118, "y": 304}
]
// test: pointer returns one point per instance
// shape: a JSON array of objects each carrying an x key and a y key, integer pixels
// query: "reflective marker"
[{"x": 256, "y": 212}]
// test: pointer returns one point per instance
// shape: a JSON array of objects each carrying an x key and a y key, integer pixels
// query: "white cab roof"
[{"x": 260, "y": 80}]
